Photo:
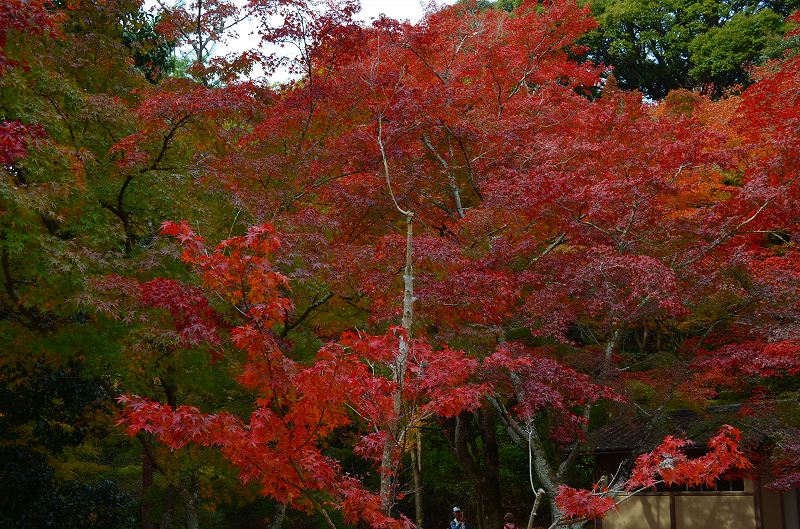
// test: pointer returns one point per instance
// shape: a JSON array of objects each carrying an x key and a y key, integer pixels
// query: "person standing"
[
  {"x": 458, "y": 521},
  {"x": 509, "y": 521}
]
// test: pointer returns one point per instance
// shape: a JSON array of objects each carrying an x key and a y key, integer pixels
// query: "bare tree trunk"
[
  {"x": 387, "y": 472},
  {"x": 492, "y": 498},
  {"x": 480, "y": 462},
  {"x": 416, "y": 465},
  {"x": 280, "y": 515},
  {"x": 611, "y": 346},
  {"x": 396, "y": 432},
  {"x": 450, "y": 177},
  {"x": 190, "y": 500},
  {"x": 535, "y": 509},
  {"x": 168, "y": 517}
]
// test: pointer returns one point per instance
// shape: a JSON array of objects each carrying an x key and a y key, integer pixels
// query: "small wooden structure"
[
  {"x": 752, "y": 507},
  {"x": 738, "y": 503}
]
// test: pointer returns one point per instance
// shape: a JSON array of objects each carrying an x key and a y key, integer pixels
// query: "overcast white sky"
[
  {"x": 400, "y": 9},
  {"x": 411, "y": 10}
]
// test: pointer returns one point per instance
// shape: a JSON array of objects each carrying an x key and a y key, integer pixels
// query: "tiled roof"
[{"x": 624, "y": 434}]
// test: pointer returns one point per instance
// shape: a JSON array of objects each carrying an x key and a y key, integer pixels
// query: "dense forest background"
[{"x": 115, "y": 119}]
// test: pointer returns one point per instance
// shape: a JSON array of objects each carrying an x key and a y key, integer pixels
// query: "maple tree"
[
  {"x": 618, "y": 243},
  {"x": 517, "y": 240},
  {"x": 297, "y": 407},
  {"x": 68, "y": 96}
]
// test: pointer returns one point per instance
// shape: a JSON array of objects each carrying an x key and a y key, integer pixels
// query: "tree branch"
[{"x": 315, "y": 304}]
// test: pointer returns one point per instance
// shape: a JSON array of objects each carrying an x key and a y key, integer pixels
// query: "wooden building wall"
[{"x": 753, "y": 508}]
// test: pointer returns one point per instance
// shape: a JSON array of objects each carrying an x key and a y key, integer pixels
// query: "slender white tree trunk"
[{"x": 398, "y": 424}]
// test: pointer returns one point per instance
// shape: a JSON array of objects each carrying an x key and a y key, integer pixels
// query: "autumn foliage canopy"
[{"x": 578, "y": 252}]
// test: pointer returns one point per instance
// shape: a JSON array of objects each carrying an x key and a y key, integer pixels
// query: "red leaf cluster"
[
  {"x": 193, "y": 318},
  {"x": 15, "y": 138},
  {"x": 174, "y": 108},
  {"x": 540, "y": 383},
  {"x": 299, "y": 406},
  {"x": 580, "y": 503},
  {"x": 668, "y": 464},
  {"x": 23, "y": 16},
  {"x": 596, "y": 222},
  {"x": 786, "y": 462}
]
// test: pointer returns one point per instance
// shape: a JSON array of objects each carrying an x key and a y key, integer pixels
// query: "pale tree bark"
[
  {"x": 280, "y": 515},
  {"x": 190, "y": 500},
  {"x": 396, "y": 430},
  {"x": 451, "y": 179},
  {"x": 539, "y": 493},
  {"x": 397, "y": 426},
  {"x": 416, "y": 466},
  {"x": 548, "y": 473},
  {"x": 550, "y": 478}
]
